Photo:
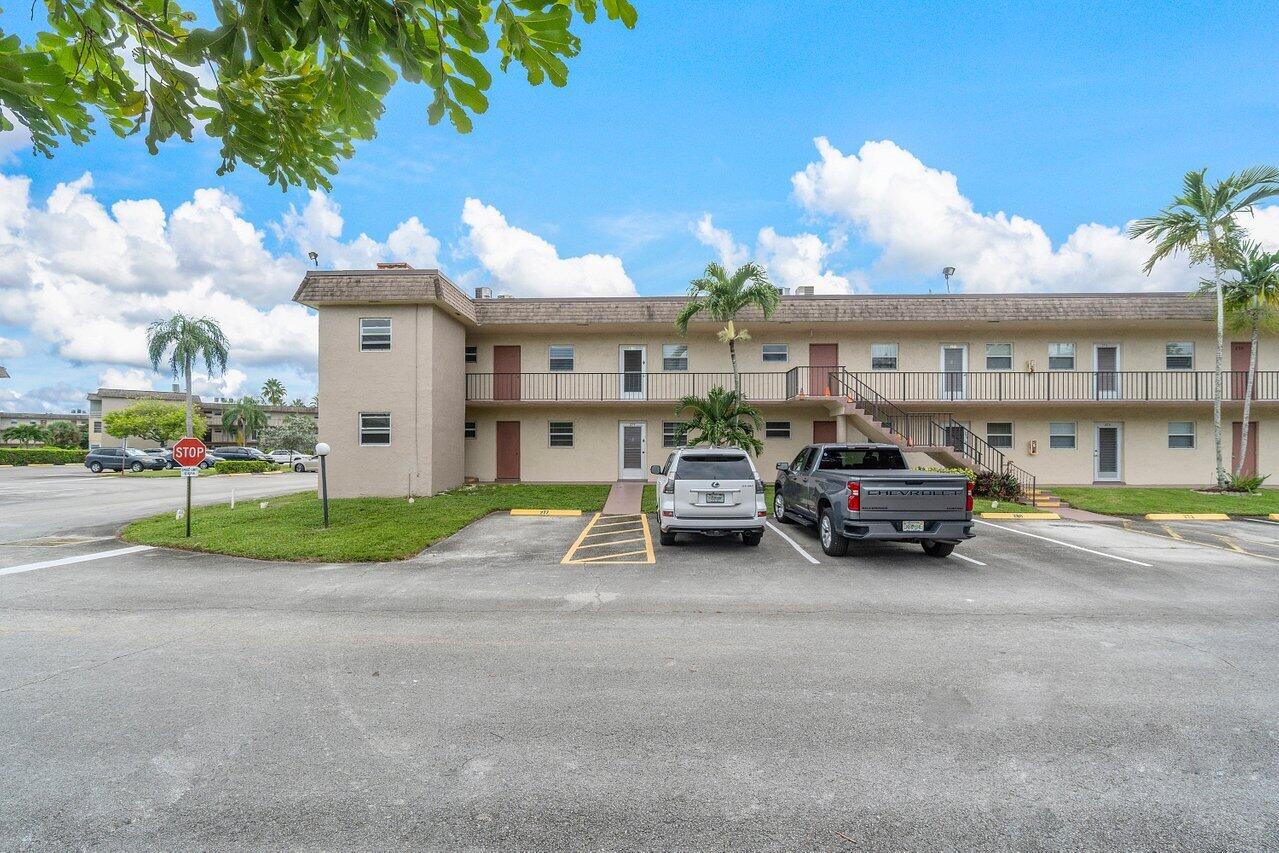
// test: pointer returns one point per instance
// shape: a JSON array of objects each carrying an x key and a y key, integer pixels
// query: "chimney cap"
[{"x": 393, "y": 265}]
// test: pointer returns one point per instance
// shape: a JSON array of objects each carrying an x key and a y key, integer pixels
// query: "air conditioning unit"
[
  {"x": 505, "y": 296},
  {"x": 782, "y": 291},
  {"x": 483, "y": 293},
  {"x": 1030, "y": 366},
  {"x": 805, "y": 290}
]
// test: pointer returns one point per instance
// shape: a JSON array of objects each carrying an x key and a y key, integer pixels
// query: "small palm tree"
[
  {"x": 297, "y": 403},
  {"x": 244, "y": 417},
  {"x": 25, "y": 434},
  {"x": 273, "y": 392},
  {"x": 722, "y": 297},
  {"x": 1201, "y": 222},
  {"x": 187, "y": 340},
  {"x": 721, "y": 418}
]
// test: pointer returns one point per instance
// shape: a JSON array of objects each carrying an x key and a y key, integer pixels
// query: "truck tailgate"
[{"x": 907, "y": 497}]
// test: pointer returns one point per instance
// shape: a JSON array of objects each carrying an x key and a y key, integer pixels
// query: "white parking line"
[
  {"x": 1066, "y": 544},
  {"x": 66, "y": 561},
  {"x": 1258, "y": 520},
  {"x": 807, "y": 556},
  {"x": 967, "y": 559}
]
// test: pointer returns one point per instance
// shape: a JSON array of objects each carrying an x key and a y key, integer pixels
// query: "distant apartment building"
[
  {"x": 40, "y": 419},
  {"x": 107, "y": 400},
  {"x": 425, "y": 386}
]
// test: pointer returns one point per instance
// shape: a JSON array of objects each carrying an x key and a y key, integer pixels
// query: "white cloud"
[
  {"x": 792, "y": 262},
  {"x": 62, "y": 397},
  {"x": 11, "y": 348},
  {"x": 731, "y": 253},
  {"x": 318, "y": 228},
  {"x": 919, "y": 219},
  {"x": 133, "y": 378},
  {"x": 524, "y": 264},
  {"x": 227, "y": 384},
  {"x": 1263, "y": 226}
]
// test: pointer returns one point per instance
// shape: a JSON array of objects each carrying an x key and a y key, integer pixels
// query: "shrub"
[
  {"x": 243, "y": 466},
  {"x": 967, "y": 472},
  {"x": 999, "y": 487},
  {"x": 40, "y": 456},
  {"x": 1245, "y": 484}
]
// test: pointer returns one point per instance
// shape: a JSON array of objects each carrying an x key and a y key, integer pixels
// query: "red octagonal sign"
[{"x": 189, "y": 452}]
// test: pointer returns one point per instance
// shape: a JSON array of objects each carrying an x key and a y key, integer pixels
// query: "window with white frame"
[
  {"x": 375, "y": 334},
  {"x": 673, "y": 434},
  {"x": 999, "y": 356},
  {"x": 1061, "y": 435},
  {"x": 1181, "y": 435},
  {"x": 777, "y": 429},
  {"x": 999, "y": 434},
  {"x": 469, "y": 430},
  {"x": 674, "y": 356},
  {"x": 1061, "y": 356},
  {"x": 375, "y": 428},
  {"x": 1179, "y": 355},
  {"x": 561, "y": 358},
  {"x": 561, "y": 433},
  {"x": 776, "y": 352},
  {"x": 883, "y": 356},
  {"x": 472, "y": 355}
]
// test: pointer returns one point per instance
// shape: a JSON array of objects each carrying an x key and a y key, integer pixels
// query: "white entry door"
[
  {"x": 631, "y": 441},
  {"x": 1106, "y": 363},
  {"x": 1108, "y": 452},
  {"x": 954, "y": 367},
  {"x": 632, "y": 366}
]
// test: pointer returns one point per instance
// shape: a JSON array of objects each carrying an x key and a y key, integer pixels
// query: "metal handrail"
[{"x": 1133, "y": 386}]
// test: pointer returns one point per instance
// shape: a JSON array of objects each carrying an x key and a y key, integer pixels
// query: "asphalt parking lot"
[{"x": 1066, "y": 685}]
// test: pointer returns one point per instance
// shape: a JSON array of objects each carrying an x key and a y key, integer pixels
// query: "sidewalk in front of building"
[{"x": 625, "y": 498}]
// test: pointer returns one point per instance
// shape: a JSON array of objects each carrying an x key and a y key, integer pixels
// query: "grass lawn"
[
  {"x": 362, "y": 529},
  {"x": 1123, "y": 501},
  {"x": 986, "y": 505}
]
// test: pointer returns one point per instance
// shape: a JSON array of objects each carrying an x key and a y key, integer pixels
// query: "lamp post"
[
  {"x": 947, "y": 272},
  {"x": 322, "y": 451}
]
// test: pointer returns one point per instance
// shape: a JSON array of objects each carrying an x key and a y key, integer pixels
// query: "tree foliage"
[
  {"x": 721, "y": 418},
  {"x": 244, "y": 417},
  {"x": 25, "y": 434},
  {"x": 273, "y": 392},
  {"x": 286, "y": 86},
  {"x": 297, "y": 433},
  {"x": 152, "y": 420},
  {"x": 722, "y": 297},
  {"x": 186, "y": 341},
  {"x": 66, "y": 434}
]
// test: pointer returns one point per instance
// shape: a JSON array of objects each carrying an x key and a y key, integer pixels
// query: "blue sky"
[{"x": 1057, "y": 116}]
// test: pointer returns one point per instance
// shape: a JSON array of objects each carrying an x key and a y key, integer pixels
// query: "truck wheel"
[
  {"x": 779, "y": 507},
  {"x": 938, "y": 549},
  {"x": 834, "y": 543},
  {"x": 667, "y": 537},
  {"x": 752, "y": 538}
]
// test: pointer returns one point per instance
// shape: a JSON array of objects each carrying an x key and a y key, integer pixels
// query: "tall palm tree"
[
  {"x": 187, "y": 340},
  {"x": 245, "y": 417},
  {"x": 722, "y": 418},
  {"x": 273, "y": 392},
  {"x": 1252, "y": 303},
  {"x": 1201, "y": 222},
  {"x": 722, "y": 297}
]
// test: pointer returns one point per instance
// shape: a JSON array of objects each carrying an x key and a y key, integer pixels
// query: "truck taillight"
[
  {"x": 968, "y": 504},
  {"x": 854, "y": 496}
]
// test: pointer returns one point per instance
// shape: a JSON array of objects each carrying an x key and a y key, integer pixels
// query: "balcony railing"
[{"x": 1076, "y": 386}]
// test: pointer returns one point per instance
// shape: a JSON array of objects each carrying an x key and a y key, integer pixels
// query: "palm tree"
[
  {"x": 273, "y": 392},
  {"x": 1252, "y": 303},
  {"x": 722, "y": 296},
  {"x": 297, "y": 403},
  {"x": 1201, "y": 222},
  {"x": 245, "y": 417},
  {"x": 25, "y": 434},
  {"x": 722, "y": 418},
  {"x": 190, "y": 339}
]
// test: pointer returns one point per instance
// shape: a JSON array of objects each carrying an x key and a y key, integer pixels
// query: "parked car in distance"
[
  {"x": 119, "y": 458},
  {"x": 241, "y": 454},
  {"x": 210, "y": 459},
  {"x": 302, "y": 462},
  {"x": 867, "y": 491},
  {"x": 712, "y": 491},
  {"x": 284, "y": 457}
]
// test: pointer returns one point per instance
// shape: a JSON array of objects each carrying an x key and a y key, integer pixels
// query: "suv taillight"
[
  {"x": 759, "y": 486},
  {"x": 854, "y": 496},
  {"x": 968, "y": 504}
]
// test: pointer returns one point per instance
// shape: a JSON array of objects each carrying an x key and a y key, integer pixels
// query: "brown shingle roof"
[
  {"x": 369, "y": 287},
  {"x": 130, "y": 394}
]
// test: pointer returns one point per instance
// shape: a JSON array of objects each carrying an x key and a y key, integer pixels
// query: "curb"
[
  {"x": 1022, "y": 516},
  {"x": 1274, "y": 516},
  {"x": 547, "y": 512},
  {"x": 1186, "y": 516}
]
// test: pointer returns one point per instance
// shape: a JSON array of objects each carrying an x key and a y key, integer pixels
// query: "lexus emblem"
[{"x": 714, "y": 485}]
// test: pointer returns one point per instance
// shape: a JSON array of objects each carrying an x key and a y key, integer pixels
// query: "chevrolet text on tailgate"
[{"x": 867, "y": 491}]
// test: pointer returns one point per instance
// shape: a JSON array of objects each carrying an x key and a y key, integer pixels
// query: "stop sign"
[{"x": 188, "y": 452}]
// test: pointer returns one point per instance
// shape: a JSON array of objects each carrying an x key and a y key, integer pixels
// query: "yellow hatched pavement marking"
[
  {"x": 614, "y": 542},
  {"x": 1229, "y": 544},
  {"x": 628, "y": 522},
  {"x": 614, "y": 532},
  {"x": 1174, "y": 534},
  {"x": 612, "y": 558}
]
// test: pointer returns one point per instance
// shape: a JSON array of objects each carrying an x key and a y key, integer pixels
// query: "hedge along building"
[{"x": 425, "y": 386}]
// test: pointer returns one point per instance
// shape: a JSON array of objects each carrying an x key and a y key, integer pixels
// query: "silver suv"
[{"x": 712, "y": 491}]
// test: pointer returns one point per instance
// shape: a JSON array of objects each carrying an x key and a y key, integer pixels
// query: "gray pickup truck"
[{"x": 867, "y": 491}]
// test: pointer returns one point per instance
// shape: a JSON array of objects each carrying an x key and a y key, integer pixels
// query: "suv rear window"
[
  {"x": 708, "y": 467},
  {"x": 866, "y": 459}
]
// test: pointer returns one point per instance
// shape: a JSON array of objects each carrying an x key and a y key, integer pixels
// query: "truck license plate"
[
  {"x": 912, "y": 527},
  {"x": 714, "y": 497}
]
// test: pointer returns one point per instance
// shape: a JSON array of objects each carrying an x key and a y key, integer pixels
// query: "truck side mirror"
[
  {"x": 783, "y": 466},
  {"x": 655, "y": 469}
]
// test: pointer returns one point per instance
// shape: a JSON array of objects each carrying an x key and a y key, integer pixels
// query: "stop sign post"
[{"x": 189, "y": 452}]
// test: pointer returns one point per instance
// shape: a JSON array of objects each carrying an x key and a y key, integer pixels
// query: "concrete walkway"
[{"x": 625, "y": 498}]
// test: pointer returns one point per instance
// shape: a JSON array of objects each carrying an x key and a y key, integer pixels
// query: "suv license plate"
[
  {"x": 715, "y": 498},
  {"x": 912, "y": 527}
]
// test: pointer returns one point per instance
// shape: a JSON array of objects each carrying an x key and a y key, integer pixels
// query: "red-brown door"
[
  {"x": 1250, "y": 467},
  {"x": 1240, "y": 356},
  {"x": 821, "y": 358},
  {"x": 823, "y": 432},
  {"x": 506, "y": 373},
  {"x": 508, "y": 450}
]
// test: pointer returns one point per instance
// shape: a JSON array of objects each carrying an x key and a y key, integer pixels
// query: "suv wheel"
[
  {"x": 136, "y": 467},
  {"x": 752, "y": 537},
  {"x": 95, "y": 467},
  {"x": 779, "y": 506},
  {"x": 938, "y": 549},
  {"x": 834, "y": 543},
  {"x": 666, "y": 537}
]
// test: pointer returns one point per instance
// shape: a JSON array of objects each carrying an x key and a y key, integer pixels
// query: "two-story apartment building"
[
  {"x": 40, "y": 419},
  {"x": 425, "y": 386},
  {"x": 107, "y": 400}
]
